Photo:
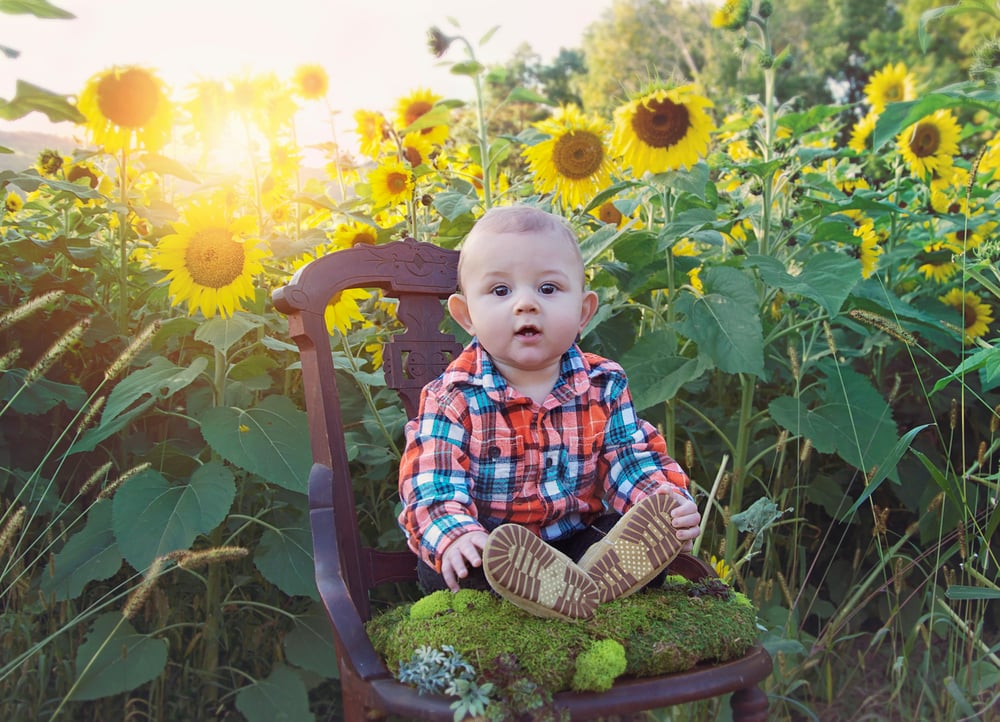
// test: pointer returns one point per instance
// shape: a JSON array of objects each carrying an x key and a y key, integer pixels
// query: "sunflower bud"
[
  {"x": 438, "y": 42},
  {"x": 986, "y": 63},
  {"x": 765, "y": 9}
]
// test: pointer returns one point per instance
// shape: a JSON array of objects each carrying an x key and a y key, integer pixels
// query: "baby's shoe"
[
  {"x": 639, "y": 546},
  {"x": 536, "y": 577}
]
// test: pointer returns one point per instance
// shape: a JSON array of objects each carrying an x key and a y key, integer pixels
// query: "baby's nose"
[{"x": 525, "y": 301}]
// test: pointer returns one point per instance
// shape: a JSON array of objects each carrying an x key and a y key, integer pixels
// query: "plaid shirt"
[{"x": 479, "y": 454}]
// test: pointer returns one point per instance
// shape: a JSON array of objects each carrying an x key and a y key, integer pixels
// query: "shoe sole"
[
  {"x": 536, "y": 577},
  {"x": 639, "y": 546}
]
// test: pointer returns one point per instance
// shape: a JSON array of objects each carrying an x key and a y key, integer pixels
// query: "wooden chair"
[{"x": 420, "y": 275}]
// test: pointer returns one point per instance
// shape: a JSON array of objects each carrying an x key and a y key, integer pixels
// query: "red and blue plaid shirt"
[{"x": 479, "y": 454}]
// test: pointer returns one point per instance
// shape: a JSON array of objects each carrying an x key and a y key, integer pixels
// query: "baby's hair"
[{"x": 522, "y": 219}]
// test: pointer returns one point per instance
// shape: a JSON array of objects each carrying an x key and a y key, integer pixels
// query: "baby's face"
[{"x": 523, "y": 296}]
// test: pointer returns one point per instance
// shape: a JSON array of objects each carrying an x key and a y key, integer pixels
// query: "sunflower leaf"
[
  {"x": 38, "y": 8},
  {"x": 29, "y": 98},
  {"x": 115, "y": 658}
]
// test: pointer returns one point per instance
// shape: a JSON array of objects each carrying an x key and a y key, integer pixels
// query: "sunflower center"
[
  {"x": 128, "y": 99},
  {"x": 412, "y": 156},
  {"x": 969, "y": 316},
  {"x": 578, "y": 154},
  {"x": 661, "y": 123},
  {"x": 213, "y": 258},
  {"x": 926, "y": 140},
  {"x": 609, "y": 214},
  {"x": 396, "y": 182},
  {"x": 415, "y": 110},
  {"x": 365, "y": 237}
]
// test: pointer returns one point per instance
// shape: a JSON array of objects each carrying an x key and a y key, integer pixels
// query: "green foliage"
[{"x": 598, "y": 666}]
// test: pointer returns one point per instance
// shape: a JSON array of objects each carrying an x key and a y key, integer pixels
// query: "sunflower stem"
[
  {"x": 123, "y": 242},
  {"x": 484, "y": 145}
]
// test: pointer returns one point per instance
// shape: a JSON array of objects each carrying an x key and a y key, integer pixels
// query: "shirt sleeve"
[
  {"x": 434, "y": 480},
  {"x": 636, "y": 454}
]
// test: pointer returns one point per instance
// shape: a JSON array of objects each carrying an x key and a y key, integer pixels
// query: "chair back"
[{"x": 420, "y": 275}]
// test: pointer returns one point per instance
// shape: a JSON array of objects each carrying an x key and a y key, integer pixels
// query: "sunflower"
[
  {"x": 861, "y": 133},
  {"x": 353, "y": 233},
  {"x": 211, "y": 261},
  {"x": 990, "y": 159},
  {"x": 723, "y": 570},
  {"x": 976, "y": 315},
  {"x": 733, "y": 15},
  {"x": 573, "y": 163},
  {"x": 50, "y": 162},
  {"x": 12, "y": 203},
  {"x": 417, "y": 149},
  {"x": 891, "y": 84},
  {"x": 126, "y": 107},
  {"x": 694, "y": 280},
  {"x": 869, "y": 249},
  {"x": 391, "y": 183},
  {"x": 929, "y": 144},
  {"x": 343, "y": 310},
  {"x": 937, "y": 261},
  {"x": 311, "y": 82},
  {"x": 662, "y": 130},
  {"x": 371, "y": 131},
  {"x": 413, "y": 107}
]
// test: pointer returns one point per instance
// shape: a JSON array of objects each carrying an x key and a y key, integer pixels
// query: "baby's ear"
[
  {"x": 588, "y": 308},
  {"x": 458, "y": 307}
]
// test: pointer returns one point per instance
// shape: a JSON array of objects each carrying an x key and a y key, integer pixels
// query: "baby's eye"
[
  {"x": 548, "y": 289},
  {"x": 500, "y": 290}
]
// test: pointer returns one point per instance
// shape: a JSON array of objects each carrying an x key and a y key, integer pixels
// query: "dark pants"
[{"x": 574, "y": 546}]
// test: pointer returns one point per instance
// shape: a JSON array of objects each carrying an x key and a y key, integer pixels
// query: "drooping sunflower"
[
  {"x": 417, "y": 149},
  {"x": 344, "y": 309},
  {"x": 869, "y": 249},
  {"x": 891, "y": 84},
  {"x": 976, "y": 315},
  {"x": 664, "y": 129},
  {"x": 733, "y": 15},
  {"x": 929, "y": 145},
  {"x": 211, "y": 260},
  {"x": 413, "y": 107},
  {"x": 391, "y": 183},
  {"x": 353, "y": 233},
  {"x": 937, "y": 261},
  {"x": 861, "y": 133},
  {"x": 371, "y": 131},
  {"x": 311, "y": 82},
  {"x": 573, "y": 163},
  {"x": 126, "y": 107},
  {"x": 12, "y": 203}
]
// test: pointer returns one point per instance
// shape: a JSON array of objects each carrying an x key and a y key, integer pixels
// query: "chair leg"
[{"x": 749, "y": 705}]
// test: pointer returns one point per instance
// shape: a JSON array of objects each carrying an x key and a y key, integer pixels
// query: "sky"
[{"x": 375, "y": 51}]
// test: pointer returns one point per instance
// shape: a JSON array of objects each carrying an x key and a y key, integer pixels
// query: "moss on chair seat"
[{"x": 662, "y": 630}]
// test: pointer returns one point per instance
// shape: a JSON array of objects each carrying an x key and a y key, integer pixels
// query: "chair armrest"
[{"x": 349, "y": 629}]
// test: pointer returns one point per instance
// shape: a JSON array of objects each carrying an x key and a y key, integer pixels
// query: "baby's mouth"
[{"x": 527, "y": 332}]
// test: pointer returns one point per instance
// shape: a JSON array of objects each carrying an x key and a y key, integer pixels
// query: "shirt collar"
[{"x": 475, "y": 367}]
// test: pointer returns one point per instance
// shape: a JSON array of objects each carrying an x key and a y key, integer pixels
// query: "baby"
[{"x": 527, "y": 469}]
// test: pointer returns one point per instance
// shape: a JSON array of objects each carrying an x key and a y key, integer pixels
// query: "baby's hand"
[
  {"x": 685, "y": 518},
  {"x": 462, "y": 553}
]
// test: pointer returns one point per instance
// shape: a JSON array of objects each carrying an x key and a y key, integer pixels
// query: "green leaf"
[
  {"x": 986, "y": 361},
  {"x": 883, "y": 468},
  {"x": 654, "y": 376},
  {"x": 159, "y": 379},
  {"x": 30, "y": 181},
  {"x": 896, "y": 117},
  {"x": 40, "y": 396},
  {"x": 468, "y": 67},
  {"x": 162, "y": 165},
  {"x": 826, "y": 278},
  {"x": 222, "y": 333},
  {"x": 958, "y": 592},
  {"x": 724, "y": 322},
  {"x": 38, "y": 8},
  {"x": 452, "y": 204},
  {"x": 282, "y": 697},
  {"x": 91, "y": 554},
  {"x": 115, "y": 658},
  {"x": 849, "y": 418},
  {"x": 152, "y": 516},
  {"x": 523, "y": 95},
  {"x": 270, "y": 440},
  {"x": 29, "y": 98},
  {"x": 284, "y": 557},
  {"x": 310, "y": 644}
]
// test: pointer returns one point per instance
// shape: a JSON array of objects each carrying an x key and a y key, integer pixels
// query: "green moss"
[
  {"x": 662, "y": 631},
  {"x": 432, "y": 605},
  {"x": 598, "y": 666}
]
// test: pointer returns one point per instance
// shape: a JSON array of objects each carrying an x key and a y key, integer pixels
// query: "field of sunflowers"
[{"x": 805, "y": 300}]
